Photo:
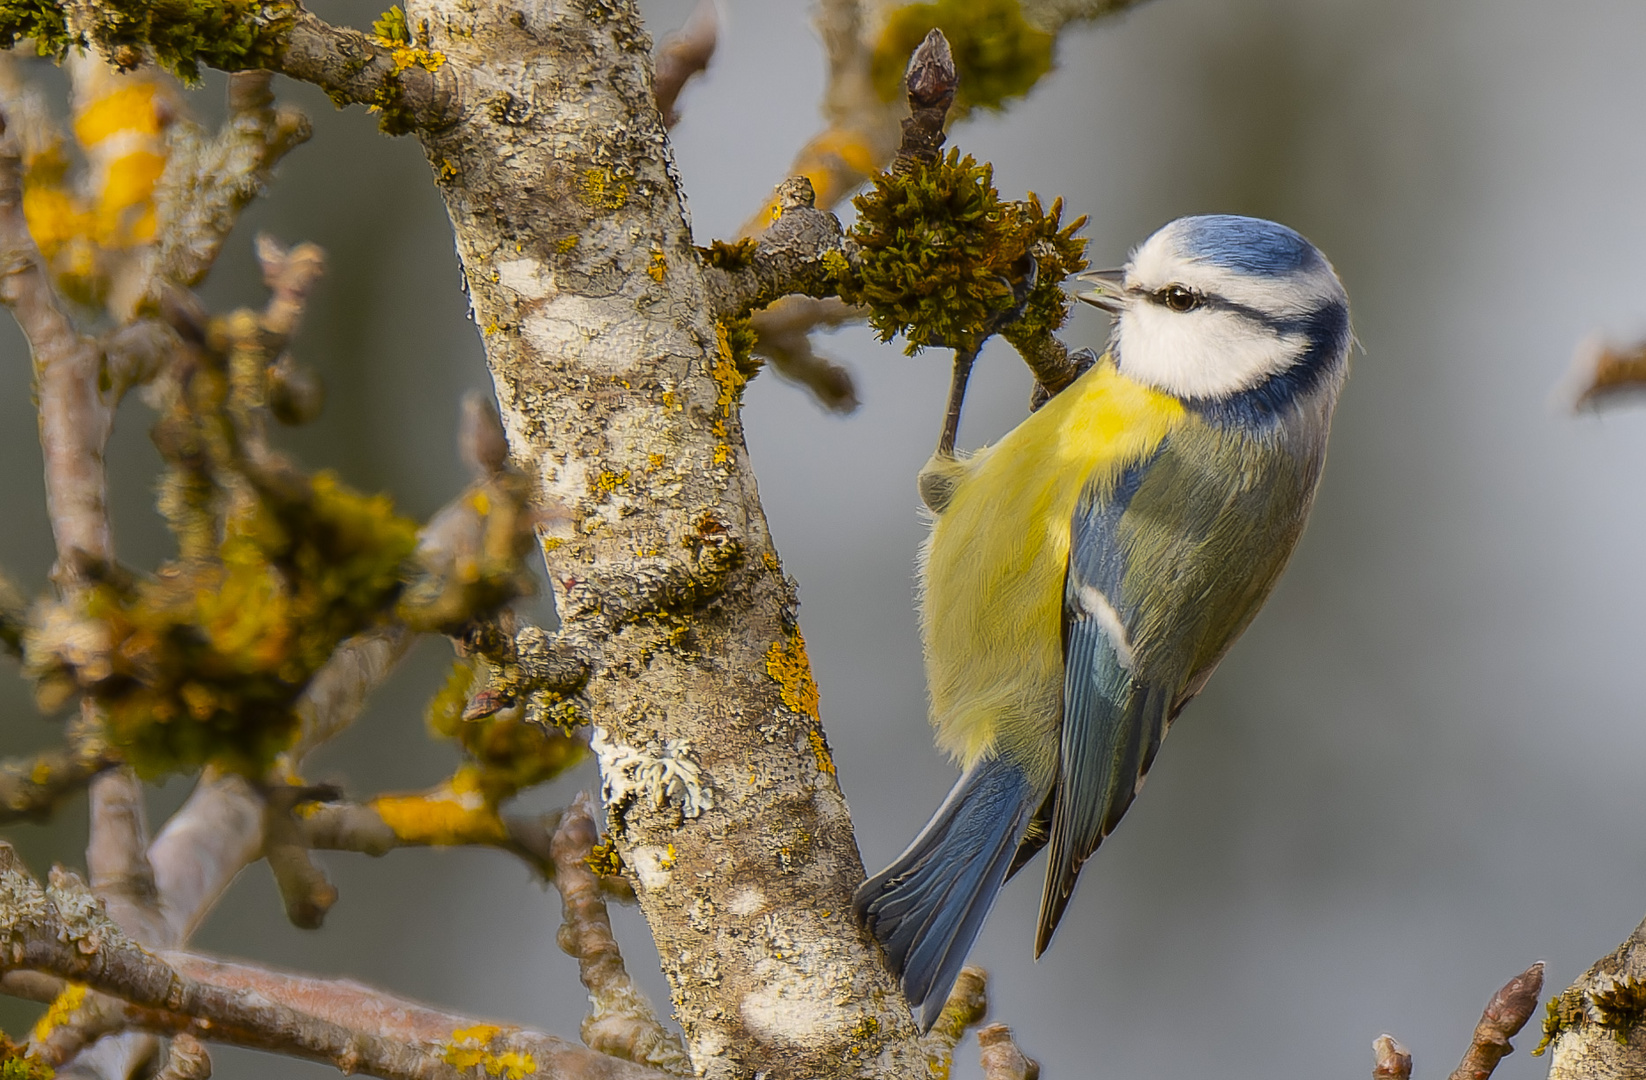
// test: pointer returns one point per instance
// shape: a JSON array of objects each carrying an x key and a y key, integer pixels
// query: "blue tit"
[{"x": 1085, "y": 574}]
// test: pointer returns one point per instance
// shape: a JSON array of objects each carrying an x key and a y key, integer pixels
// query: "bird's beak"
[{"x": 1108, "y": 291}]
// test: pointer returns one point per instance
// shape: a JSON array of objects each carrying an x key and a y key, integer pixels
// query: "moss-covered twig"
[
  {"x": 62, "y": 930},
  {"x": 621, "y": 1022},
  {"x": 395, "y": 76}
]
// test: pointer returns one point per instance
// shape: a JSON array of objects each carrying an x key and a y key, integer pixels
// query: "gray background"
[{"x": 1417, "y": 773}]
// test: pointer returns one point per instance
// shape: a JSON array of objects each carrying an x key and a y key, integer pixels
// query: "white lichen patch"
[
  {"x": 651, "y": 865},
  {"x": 526, "y": 277},
  {"x": 793, "y": 1006},
  {"x": 661, "y": 772},
  {"x": 566, "y": 327},
  {"x": 745, "y": 902}
]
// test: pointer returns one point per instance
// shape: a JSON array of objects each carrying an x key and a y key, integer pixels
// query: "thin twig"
[
  {"x": 1502, "y": 1020},
  {"x": 75, "y": 421},
  {"x": 32, "y": 787},
  {"x": 621, "y": 1022}
]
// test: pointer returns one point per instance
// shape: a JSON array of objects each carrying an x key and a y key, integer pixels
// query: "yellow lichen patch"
[
  {"x": 604, "y": 190},
  {"x": 654, "y": 461},
  {"x": 608, "y": 481},
  {"x": 820, "y": 749},
  {"x": 456, "y": 812},
  {"x": 658, "y": 266},
  {"x": 471, "y": 1046},
  {"x": 510, "y": 1065},
  {"x": 407, "y": 56},
  {"x": 61, "y": 1008},
  {"x": 565, "y": 244},
  {"x": 468, "y": 1046},
  {"x": 129, "y": 109},
  {"x": 790, "y": 667}
]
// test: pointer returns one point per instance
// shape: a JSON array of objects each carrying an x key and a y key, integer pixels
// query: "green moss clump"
[
  {"x": 209, "y": 657},
  {"x": 740, "y": 338},
  {"x": 41, "y": 20},
  {"x": 998, "y": 54},
  {"x": 184, "y": 35},
  {"x": 391, "y": 26},
  {"x": 17, "y": 1064},
  {"x": 510, "y": 753},
  {"x": 733, "y": 256},
  {"x": 942, "y": 256},
  {"x": 1621, "y": 1006},
  {"x": 1058, "y": 255}
]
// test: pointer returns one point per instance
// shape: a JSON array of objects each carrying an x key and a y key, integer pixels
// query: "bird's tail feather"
[{"x": 927, "y": 908}]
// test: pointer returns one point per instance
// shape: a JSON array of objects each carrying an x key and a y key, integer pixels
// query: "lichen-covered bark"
[
  {"x": 621, "y": 402},
  {"x": 1596, "y": 1030}
]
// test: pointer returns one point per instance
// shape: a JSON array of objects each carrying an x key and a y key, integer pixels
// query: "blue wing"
[{"x": 1113, "y": 721}]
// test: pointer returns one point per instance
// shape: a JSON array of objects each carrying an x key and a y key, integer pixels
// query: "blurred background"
[{"x": 1419, "y": 770}]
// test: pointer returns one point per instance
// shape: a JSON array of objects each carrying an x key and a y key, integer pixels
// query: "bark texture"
[
  {"x": 620, "y": 397},
  {"x": 1597, "y": 1028}
]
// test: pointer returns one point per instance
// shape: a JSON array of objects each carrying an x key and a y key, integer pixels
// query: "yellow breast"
[{"x": 993, "y": 567}]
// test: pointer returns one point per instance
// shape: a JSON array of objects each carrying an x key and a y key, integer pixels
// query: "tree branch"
[
  {"x": 63, "y": 931},
  {"x": 787, "y": 258},
  {"x": 621, "y": 1022},
  {"x": 31, "y": 787},
  {"x": 74, "y": 419}
]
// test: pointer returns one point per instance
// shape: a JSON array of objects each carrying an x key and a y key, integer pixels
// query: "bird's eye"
[{"x": 1178, "y": 298}]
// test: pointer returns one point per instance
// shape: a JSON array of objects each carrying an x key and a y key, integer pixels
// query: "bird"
[{"x": 1084, "y": 575}]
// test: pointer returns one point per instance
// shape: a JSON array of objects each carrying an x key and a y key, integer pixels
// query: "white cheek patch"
[{"x": 1203, "y": 353}]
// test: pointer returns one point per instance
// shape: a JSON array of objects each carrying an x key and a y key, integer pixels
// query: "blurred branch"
[
  {"x": 62, "y": 931},
  {"x": 1002, "y": 1060},
  {"x": 74, "y": 419},
  {"x": 785, "y": 330},
  {"x": 363, "y": 828},
  {"x": 1602, "y": 373},
  {"x": 31, "y": 787},
  {"x": 621, "y": 1022},
  {"x": 684, "y": 54},
  {"x": 1053, "y": 15},
  {"x": 209, "y": 181}
]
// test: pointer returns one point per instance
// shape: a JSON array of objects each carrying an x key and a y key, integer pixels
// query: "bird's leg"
[{"x": 963, "y": 360}]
